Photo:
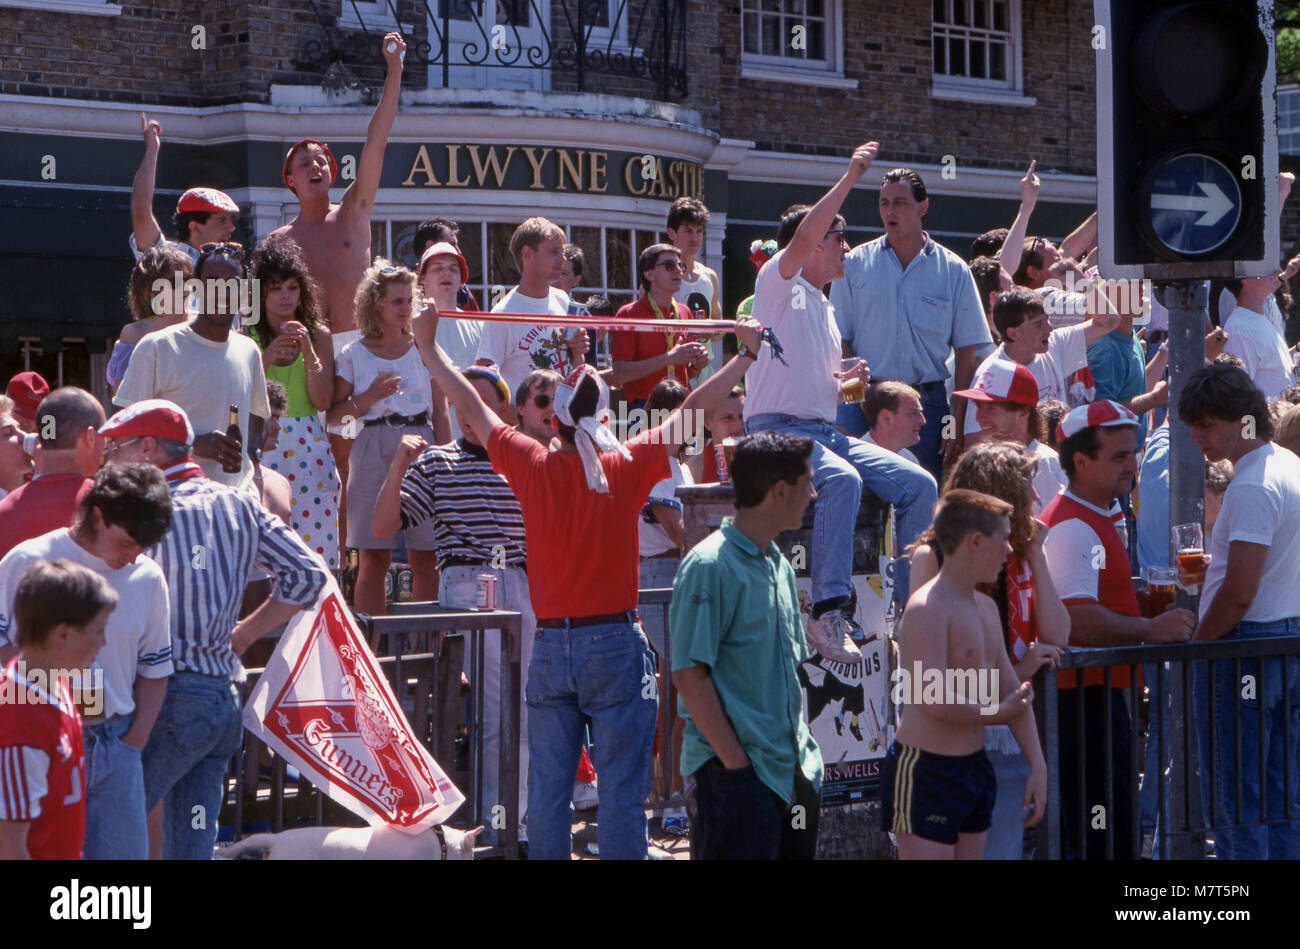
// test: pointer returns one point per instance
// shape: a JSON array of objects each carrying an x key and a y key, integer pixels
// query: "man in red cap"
[
  {"x": 71, "y": 453},
  {"x": 1090, "y": 568},
  {"x": 203, "y": 215},
  {"x": 27, "y": 389}
]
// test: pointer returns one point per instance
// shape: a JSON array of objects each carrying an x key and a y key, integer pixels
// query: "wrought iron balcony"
[{"x": 580, "y": 42}]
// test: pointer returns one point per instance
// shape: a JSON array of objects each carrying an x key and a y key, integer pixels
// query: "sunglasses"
[
  {"x": 390, "y": 271},
  {"x": 114, "y": 447},
  {"x": 542, "y": 401},
  {"x": 224, "y": 248},
  {"x": 671, "y": 265}
]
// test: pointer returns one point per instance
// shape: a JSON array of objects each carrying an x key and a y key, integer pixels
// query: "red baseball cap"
[
  {"x": 155, "y": 417},
  {"x": 288, "y": 160},
  {"x": 437, "y": 250},
  {"x": 206, "y": 199},
  {"x": 27, "y": 389},
  {"x": 1003, "y": 381},
  {"x": 1104, "y": 414}
]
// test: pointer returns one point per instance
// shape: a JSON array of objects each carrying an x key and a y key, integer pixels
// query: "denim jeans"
[
  {"x": 116, "y": 825},
  {"x": 1006, "y": 835},
  {"x": 1263, "y": 714},
  {"x": 605, "y": 673},
  {"x": 735, "y": 816},
  {"x": 656, "y": 573},
  {"x": 458, "y": 588},
  {"x": 841, "y": 466},
  {"x": 197, "y": 733}
]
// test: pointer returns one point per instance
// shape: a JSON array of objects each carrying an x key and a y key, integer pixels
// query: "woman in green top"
[{"x": 297, "y": 353}]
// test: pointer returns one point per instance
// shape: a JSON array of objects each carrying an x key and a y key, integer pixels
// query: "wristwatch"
[{"x": 743, "y": 350}]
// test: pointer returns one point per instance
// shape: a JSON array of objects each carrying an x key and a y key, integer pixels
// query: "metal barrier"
[
  {"x": 1079, "y": 824},
  {"x": 413, "y": 677}
]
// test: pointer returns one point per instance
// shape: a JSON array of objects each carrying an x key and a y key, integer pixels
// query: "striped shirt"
[
  {"x": 475, "y": 514},
  {"x": 219, "y": 537}
]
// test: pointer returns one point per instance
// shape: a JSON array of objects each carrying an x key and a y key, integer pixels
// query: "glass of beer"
[
  {"x": 1161, "y": 583},
  {"x": 729, "y": 453},
  {"x": 852, "y": 390},
  {"x": 1189, "y": 542}
]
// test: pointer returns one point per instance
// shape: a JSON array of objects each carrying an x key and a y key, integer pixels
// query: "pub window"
[
  {"x": 1288, "y": 120},
  {"x": 792, "y": 34},
  {"x": 976, "y": 44}
]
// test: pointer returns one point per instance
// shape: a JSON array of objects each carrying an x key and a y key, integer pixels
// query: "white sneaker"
[
  {"x": 831, "y": 636},
  {"x": 584, "y": 796}
]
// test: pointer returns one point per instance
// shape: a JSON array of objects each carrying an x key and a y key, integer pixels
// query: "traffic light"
[{"x": 1186, "y": 138}]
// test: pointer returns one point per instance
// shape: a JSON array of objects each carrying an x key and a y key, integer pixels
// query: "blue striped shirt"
[{"x": 218, "y": 538}]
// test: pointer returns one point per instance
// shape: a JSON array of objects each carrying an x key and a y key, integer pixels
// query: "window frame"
[
  {"x": 944, "y": 85},
  {"x": 1291, "y": 92},
  {"x": 803, "y": 70},
  {"x": 84, "y": 7}
]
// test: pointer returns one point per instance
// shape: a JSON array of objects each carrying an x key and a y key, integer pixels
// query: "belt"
[
  {"x": 567, "y": 622},
  {"x": 477, "y": 564},
  {"x": 399, "y": 421}
]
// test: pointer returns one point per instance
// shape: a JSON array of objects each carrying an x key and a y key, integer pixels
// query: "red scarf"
[{"x": 1022, "y": 630}]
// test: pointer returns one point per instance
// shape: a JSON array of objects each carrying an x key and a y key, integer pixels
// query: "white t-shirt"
[
  {"x": 517, "y": 350},
  {"x": 1253, "y": 340},
  {"x": 459, "y": 339},
  {"x": 902, "y": 452},
  {"x": 1050, "y": 479},
  {"x": 1070, "y": 551},
  {"x": 653, "y": 538},
  {"x": 803, "y": 321},
  {"x": 1228, "y": 303},
  {"x": 1261, "y": 506},
  {"x": 138, "y": 635},
  {"x": 203, "y": 377},
  {"x": 1067, "y": 353},
  {"x": 359, "y": 366}
]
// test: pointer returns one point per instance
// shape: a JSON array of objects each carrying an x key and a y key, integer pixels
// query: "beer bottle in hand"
[{"x": 232, "y": 431}]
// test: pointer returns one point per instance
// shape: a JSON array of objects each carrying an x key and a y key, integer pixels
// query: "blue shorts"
[{"x": 936, "y": 797}]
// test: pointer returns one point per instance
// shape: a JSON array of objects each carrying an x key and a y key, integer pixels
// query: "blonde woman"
[{"x": 381, "y": 392}]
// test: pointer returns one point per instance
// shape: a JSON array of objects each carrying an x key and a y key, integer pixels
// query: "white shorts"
[{"x": 340, "y": 340}]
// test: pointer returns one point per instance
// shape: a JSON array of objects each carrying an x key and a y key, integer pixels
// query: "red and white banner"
[
  {"x": 594, "y": 322},
  {"x": 326, "y": 706}
]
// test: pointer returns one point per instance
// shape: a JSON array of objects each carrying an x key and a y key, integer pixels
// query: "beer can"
[
  {"x": 390, "y": 583},
  {"x": 405, "y": 579},
  {"x": 487, "y": 591},
  {"x": 720, "y": 458}
]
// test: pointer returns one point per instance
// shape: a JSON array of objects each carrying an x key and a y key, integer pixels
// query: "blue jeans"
[
  {"x": 1006, "y": 835},
  {"x": 1263, "y": 714},
  {"x": 116, "y": 825},
  {"x": 604, "y": 673},
  {"x": 197, "y": 733},
  {"x": 841, "y": 466}
]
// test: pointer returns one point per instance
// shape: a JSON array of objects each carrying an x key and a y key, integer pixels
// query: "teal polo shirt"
[{"x": 735, "y": 608}]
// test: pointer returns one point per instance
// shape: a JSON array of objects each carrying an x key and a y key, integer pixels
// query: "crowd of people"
[{"x": 1012, "y": 411}]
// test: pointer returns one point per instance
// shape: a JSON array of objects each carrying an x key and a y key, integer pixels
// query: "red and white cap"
[
  {"x": 206, "y": 199},
  {"x": 1003, "y": 381},
  {"x": 439, "y": 249},
  {"x": 1104, "y": 414},
  {"x": 288, "y": 160},
  {"x": 154, "y": 417}
]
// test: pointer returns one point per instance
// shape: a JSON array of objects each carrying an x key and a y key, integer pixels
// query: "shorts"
[
  {"x": 340, "y": 340},
  {"x": 936, "y": 797}
]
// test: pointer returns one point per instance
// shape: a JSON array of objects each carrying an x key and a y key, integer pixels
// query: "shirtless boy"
[
  {"x": 335, "y": 238},
  {"x": 938, "y": 784}
]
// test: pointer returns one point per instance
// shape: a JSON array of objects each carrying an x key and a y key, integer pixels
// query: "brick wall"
[{"x": 893, "y": 102}]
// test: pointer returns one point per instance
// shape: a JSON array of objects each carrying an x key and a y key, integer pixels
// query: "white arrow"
[{"x": 1212, "y": 207}]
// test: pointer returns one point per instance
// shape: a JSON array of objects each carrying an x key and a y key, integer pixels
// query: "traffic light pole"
[{"x": 1187, "y": 302}]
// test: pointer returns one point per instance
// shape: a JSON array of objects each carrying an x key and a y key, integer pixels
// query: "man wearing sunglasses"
[
  {"x": 534, "y": 401},
  {"x": 642, "y": 360}
]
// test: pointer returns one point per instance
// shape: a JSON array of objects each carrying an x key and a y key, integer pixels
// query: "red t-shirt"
[
  {"x": 1114, "y": 583},
  {"x": 38, "y": 507},
  {"x": 42, "y": 766},
  {"x": 583, "y": 555},
  {"x": 632, "y": 346}
]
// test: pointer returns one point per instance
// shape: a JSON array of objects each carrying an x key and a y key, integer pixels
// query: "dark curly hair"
[
  {"x": 277, "y": 259},
  {"x": 130, "y": 496}
]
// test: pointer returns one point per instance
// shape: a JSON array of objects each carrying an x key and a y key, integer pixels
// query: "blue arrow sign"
[{"x": 1195, "y": 203}]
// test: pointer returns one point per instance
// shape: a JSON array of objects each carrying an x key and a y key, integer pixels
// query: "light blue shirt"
[
  {"x": 1153, "y": 505},
  {"x": 906, "y": 323}
]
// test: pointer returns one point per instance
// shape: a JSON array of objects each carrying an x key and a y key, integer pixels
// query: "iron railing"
[
  {"x": 1175, "y": 717},
  {"x": 579, "y": 41}
]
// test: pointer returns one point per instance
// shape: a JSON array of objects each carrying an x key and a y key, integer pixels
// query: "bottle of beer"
[{"x": 232, "y": 431}]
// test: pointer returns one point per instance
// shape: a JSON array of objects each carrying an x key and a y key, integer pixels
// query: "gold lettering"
[
  {"x": 659, "y": 188},
  {"x": 422, "y": 165},
  {"x": 570, "y": 167},
  {"x": 677, "y": 177},
  {"x": 453, "y": 167},
  {"x": 596, "y": 172},
  {"x": 632, "y": 178},
  {"x": 493, "y": 162},
  {"x": 536, "y": 164}
]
